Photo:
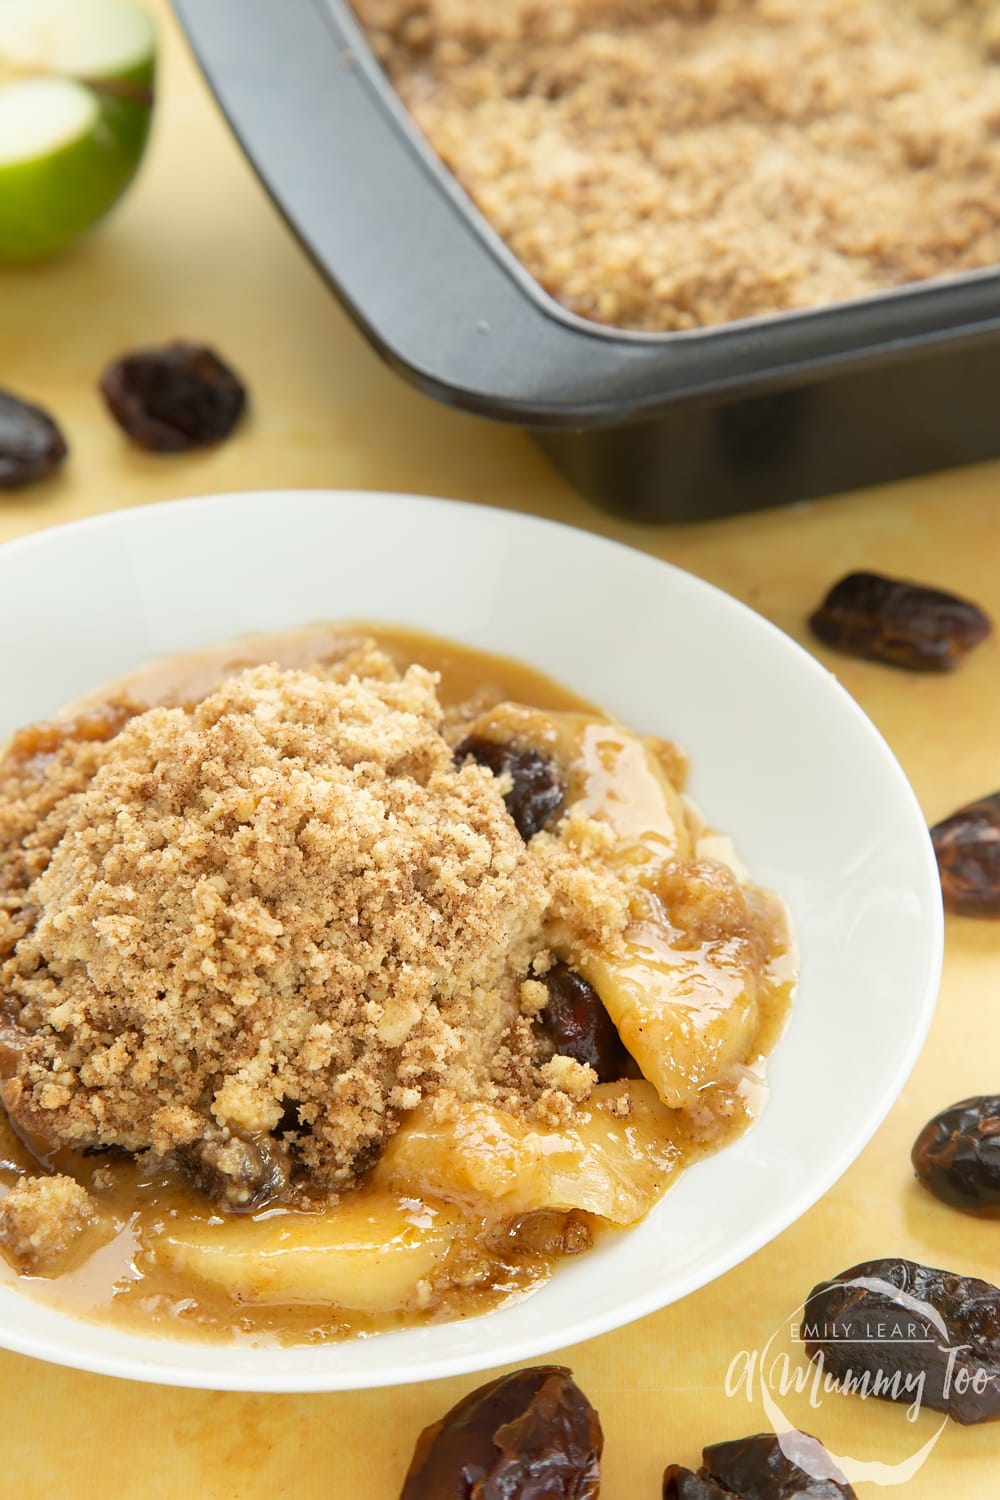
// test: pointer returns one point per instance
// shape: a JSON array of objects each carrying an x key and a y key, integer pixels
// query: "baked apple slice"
[
  {"x": 368, "y": 1256},
  {"x": 614, "y": 1158}
]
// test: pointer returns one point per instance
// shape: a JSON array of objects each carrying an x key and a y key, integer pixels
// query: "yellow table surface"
[{"x": 197, "y": 250}]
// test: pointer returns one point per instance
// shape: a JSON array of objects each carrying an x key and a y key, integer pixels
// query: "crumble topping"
[
  {"x": 251, "y": 931},
  {"x": 668, "y": 164}
]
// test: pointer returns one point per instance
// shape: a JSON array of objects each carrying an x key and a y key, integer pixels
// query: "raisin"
[
  {"x": 907, "y": 1332},
  {"x": 31, "y": 445},
  {"x": 967, "y": 845},
  {"x": 957, "y": 1154},
  {"x": 543, "y": 1232},
  {"x": 172, "y": 399},
  {"x": 575, "y": 1024},
  {"x": 764, "y": 1467},
  {"x": 902, "y": 624},
  {"x": 531, "y": 1435},
  {"x": 538, "y": 789},
  {"x": 237, "y": 1174}
]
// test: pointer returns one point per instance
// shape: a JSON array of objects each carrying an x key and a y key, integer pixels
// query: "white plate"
[{"x": 782, "y": 759}]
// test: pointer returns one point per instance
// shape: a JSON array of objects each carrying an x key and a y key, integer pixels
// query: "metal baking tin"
[{"x": 675, "y": 426}]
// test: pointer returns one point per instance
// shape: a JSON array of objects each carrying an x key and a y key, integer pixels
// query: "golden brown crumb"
[
  {"x": 620, "y": 1105},
  {"x": 534, "y": 997},
  {"x": 588, "y": 903},
  {"x": 574, "y": 1079},
  {"x": 666, "y": 164},
  {"x": 553, "y": 1109},
  {"x": 40, "y": 1219}
]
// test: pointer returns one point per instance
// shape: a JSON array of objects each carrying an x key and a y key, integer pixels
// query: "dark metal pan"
[{"x": 673, "y": 426}]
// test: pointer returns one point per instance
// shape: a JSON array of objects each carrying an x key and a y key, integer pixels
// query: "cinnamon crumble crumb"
[
  {"x": 574, "y": 1079},
  {"x": 553, "y": 1109},
  {"x": 534, "y": 997},
  {"x": 40, "y": 1219}
]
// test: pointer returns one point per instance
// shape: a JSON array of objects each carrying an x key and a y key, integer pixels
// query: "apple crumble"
[
  {"x": 345, "y": 984},
  {"x": 668, "y": 164}
]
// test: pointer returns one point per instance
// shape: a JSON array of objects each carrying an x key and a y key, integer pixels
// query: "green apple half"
[{"x": 76, "y": 97}]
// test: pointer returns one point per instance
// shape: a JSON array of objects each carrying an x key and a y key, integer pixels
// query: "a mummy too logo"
[{"x": 876, "y": 1333}]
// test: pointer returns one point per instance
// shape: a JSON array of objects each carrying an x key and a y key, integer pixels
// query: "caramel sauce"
[
  {"x": 468, "y": 676},
  {"x": 120, "y": 1272}
]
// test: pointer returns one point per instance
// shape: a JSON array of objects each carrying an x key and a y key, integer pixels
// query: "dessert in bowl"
[{"x": 506, "y": 830}]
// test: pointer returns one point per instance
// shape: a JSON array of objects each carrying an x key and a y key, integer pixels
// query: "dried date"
[
  {"x": 967, "y": 846},
  {"x": 957, "y": 1154},
  {"x": 32, "y": 446},
  {"x": 537, "y": 791},
  {"x": 575, "y": 1024},
  {"x": 173, "y": 399},
  {"x": 532, "y": 1435},
  {"x": 764, "y": 1467},
  {"x": 900, "y": 623},
  {"x": 683, "y": 1484},
  {"x": 907, "y": 1332}
]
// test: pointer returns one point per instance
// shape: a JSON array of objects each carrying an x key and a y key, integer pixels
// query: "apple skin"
[{"x": 47, "y": 203}]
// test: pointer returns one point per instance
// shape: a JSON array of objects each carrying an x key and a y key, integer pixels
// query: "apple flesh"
[{"x": 76, "y": 96}]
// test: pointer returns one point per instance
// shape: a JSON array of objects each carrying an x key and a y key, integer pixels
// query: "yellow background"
[{"x": 197, "y": 251}]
